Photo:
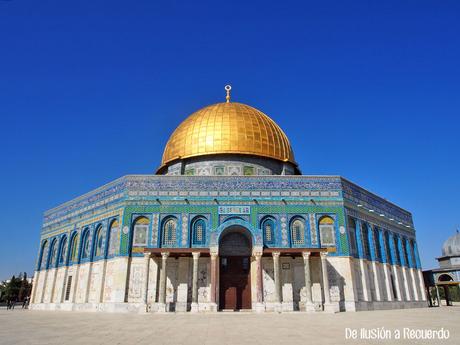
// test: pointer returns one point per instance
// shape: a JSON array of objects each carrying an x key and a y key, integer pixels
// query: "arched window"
[
  {"x": 268, "y": 228},
  {"x": 99, "y": 244},
  {"x": 74, "y": 248},
  {"x": 387, "y": 247},
  {"x": 114, "y": 237},
  {"x": 141, "y": 228},
  {"x": 378, "y": 248},
  {"x": 85, "y": 249},
  {"x": 199, "y": 232},
  {"x": 412, "y": 252},
  {"x": 168, "y": 238},
  {"x": 396, "y": 247},
  {"x": 326, "y": 231},
  {"x": 365, "y": 239},
  {"x": 53, "y": 254},
  {"x": 63, "y": 250},
  {"x": 43, "y": 255},
  {"x": 297, "y": 232},
  {"x": 404, "y": 250},
  {"x": 352, "y": 236}
]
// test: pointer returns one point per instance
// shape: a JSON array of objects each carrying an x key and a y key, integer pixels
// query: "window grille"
[
  {"x": 169, "y": 233},
  {"x": 297, "y": 232},
  {"x": 67, "y": 290}
]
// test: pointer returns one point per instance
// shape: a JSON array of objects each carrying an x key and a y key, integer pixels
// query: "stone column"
[
  {"x": 145, "y": 290},
  {"x": 276, "y": 273},
  {"x": 327, "y": 296},
  {"x": 214, "y": 261},
  {"x": 162, "y": 285},
  {"x": 259, "y": 283},
  {"x": 194, "y": 307},
  {"x": 309, "y": 301}
]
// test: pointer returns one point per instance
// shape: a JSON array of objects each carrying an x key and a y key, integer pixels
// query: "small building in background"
[{"x": 443, "y": 282}]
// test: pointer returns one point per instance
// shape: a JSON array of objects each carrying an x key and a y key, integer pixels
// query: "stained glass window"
[
  {"x": 141, "y": 228},
  {"x": 327, "y": 231}
]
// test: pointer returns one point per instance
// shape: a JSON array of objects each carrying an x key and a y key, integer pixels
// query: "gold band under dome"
[{"x": 228, "y": 128}]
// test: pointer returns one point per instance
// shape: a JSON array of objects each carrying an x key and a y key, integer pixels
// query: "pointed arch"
[
  {"x": 52, "y": 256},
  {"x": 168, "y": 232},
  {"x": 73, "y": 248},
  {"x": 198, "y": 234},
  {"x": 326, "y": 225},
  {"x": 98, "y": 249},
  {"x": 85, "y": 250},
  {"x": 113, "y": 243},
  {"x": 297, "y": 231},
  {"x": 62, "y": 260},
  {"x": 43, "y": 250},
  {"x": 140, "y": 231},
  {"x": 268, "y": 226}
]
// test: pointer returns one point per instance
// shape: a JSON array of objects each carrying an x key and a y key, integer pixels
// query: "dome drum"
[{"x": 228, "y": 165}]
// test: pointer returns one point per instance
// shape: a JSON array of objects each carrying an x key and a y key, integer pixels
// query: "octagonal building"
[{"x": 228, "y": 223}]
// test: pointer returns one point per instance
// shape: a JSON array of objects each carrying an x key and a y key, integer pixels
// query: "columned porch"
[{"x": 281, "y": 280}]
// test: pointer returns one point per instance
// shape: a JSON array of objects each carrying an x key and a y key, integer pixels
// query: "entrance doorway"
[{"x": 235, "y": 270}]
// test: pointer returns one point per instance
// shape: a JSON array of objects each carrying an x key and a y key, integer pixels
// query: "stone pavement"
[{"x": 48, "y": 327}]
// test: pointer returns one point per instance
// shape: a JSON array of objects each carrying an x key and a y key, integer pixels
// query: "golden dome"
[{"x": 224, "y": 128}]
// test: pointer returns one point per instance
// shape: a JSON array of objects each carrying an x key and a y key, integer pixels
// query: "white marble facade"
[{"x": 354, "y": 284}]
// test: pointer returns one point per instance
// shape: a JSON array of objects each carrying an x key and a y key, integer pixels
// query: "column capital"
[
  {"x": 214, "y": 255},
  {"x": 276, "y": 254},
  {"x": 306, "y": 255},
  {"x": 164, "y": 255},
  {"x": 147, "y": 255},
  {"x": 257, "y": 252},
  {"x": 323, "y": 255},
  {"x": 195, "y": 255}
]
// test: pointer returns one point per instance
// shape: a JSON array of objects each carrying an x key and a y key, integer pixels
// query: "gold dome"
[{"x": 225, "y": 128}]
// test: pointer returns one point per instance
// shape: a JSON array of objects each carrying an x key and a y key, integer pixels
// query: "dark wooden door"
[{"x": 235, "y": 283}]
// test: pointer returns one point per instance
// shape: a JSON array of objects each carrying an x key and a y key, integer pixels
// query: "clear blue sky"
[{"x": 91, "y": 90}]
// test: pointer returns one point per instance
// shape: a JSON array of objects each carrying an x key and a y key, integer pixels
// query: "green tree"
[{"x": 17, "y": 288}]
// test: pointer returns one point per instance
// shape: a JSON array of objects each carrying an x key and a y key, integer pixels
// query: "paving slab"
[{"x": 50, "y": 327}]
